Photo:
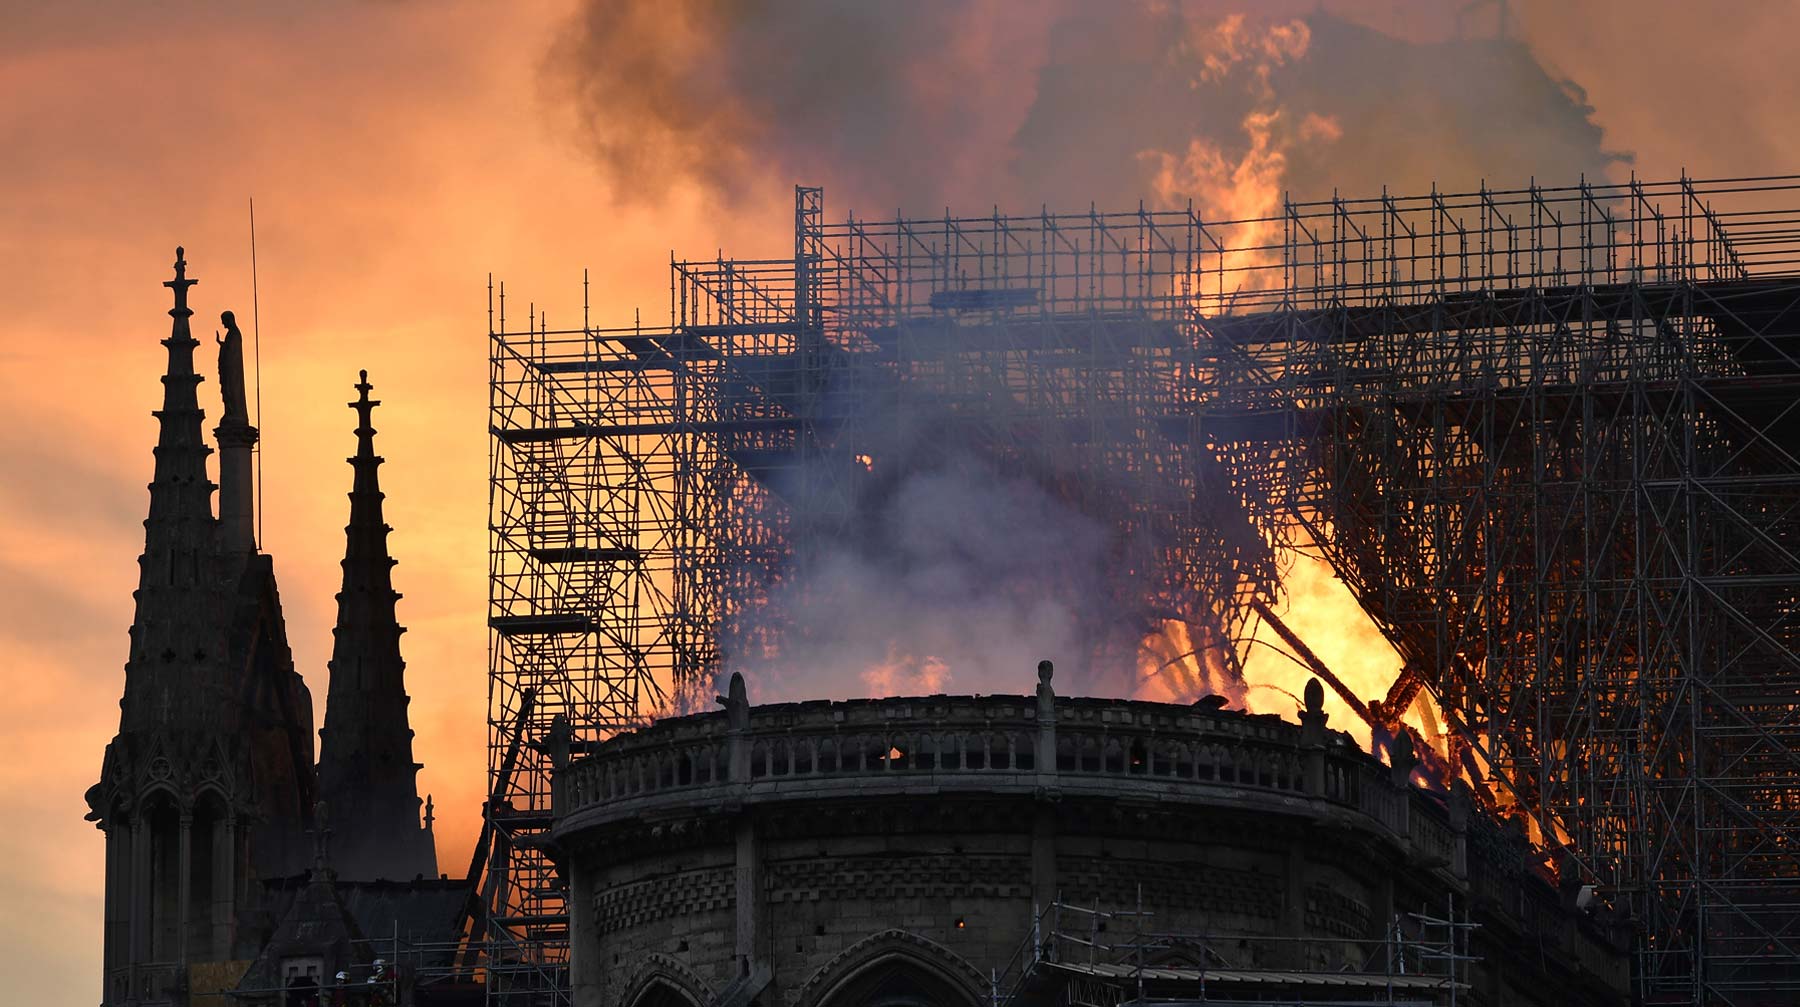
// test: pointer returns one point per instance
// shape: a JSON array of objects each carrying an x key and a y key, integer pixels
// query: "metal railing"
[{"x": 1418, "y": 954}]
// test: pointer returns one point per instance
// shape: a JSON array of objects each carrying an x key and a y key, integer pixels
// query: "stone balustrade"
[
  {"x": 780, "y": 846},
  {"x": 1044, "y": 744}
]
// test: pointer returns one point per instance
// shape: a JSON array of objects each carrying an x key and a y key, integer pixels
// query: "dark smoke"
[
  {"x": 936, "y": 104},
  {"x": 738, "y": 95},
  {"x": 960, "y": 575},
  {"x": 1456, "y": 112}
]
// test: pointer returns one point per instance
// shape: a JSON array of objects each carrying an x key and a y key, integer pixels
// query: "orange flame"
[
  {"x": 1179, "y": 663},
  {"x": 1247, "y": 188},
  {"x": 1231, "y": 42},
  {"x": 906, "y": 674}
]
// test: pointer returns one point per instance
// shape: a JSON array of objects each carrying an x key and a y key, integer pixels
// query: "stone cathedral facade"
[
  {"x": 209, "y": 796},
  {"x": 1049, "y": 851}
]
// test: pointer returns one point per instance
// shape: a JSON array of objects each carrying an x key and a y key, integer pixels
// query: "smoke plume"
[
  {"x": 934, "y": 104},
  {"x": 957, "y": 578},
  {"x": 961, "y": 576}
]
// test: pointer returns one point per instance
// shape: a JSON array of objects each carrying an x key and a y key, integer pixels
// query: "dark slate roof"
[
  {"x": 422, "y": 911},
  {"x": 315, "y": 921}
]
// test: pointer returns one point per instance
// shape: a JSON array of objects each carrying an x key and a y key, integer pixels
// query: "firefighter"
[{"x": 379, "y": 992}]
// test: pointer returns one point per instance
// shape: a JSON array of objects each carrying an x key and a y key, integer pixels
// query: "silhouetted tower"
[
  {"x": 208, "y": 783},
  {"x": 366, "y": 770}
]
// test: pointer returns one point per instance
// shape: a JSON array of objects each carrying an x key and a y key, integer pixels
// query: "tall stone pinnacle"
[
  {"x": 366, "y": 770},
  {"x": 205, "y": 789},
  {"x": 178, "y": 536},
  {"x": 180, "y": 494}
]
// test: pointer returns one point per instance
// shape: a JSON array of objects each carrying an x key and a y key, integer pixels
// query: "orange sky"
[{"x": 398, "y": 152}]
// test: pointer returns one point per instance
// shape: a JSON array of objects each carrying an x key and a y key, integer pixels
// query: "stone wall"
[{"x": 808, "y": 854}]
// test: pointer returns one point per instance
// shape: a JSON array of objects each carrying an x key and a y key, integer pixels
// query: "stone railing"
[
  {"x": 149, "y": 983},
  {"x": 1042, "y": 743},
  {"x": 1434, "y": 840}
]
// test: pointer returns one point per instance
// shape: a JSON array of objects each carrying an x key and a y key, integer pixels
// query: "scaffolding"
[
  {"x": 1075, "y": 954},
  {"x": 1546, "y": 435},
  {"x": 410, "y": 972}
]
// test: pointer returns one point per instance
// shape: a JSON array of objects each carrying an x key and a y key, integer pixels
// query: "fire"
[
  {"x": 1320, "y": 610},
  {"x": 906, "y": 674},
  {"x": 1174, "y": 667},
  {"x": 1246, "y": 189},
  {"x": 1231, "y": 42},
  {"x": 1179, "y": 663}
]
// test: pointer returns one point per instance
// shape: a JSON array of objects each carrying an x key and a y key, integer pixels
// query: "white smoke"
[{"x": 959, "y": 579}]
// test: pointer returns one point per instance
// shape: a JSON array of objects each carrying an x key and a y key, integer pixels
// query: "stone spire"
[
  {"x": 180, "y": 494},
  {"x": 206, "y": 786},
  {"x": 366, "y": 770},
  {"x": 178, "y": 537}
]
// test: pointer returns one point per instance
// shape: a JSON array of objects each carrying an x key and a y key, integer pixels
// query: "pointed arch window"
[{"x": 660, "y": 992}]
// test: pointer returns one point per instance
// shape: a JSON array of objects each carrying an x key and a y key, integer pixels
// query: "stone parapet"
[
  {"x": 992, "y": 744},
  {"x": 815, "y": 854}
]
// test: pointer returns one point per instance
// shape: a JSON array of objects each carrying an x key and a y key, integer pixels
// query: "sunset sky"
[{"x": 400, "y": 152}]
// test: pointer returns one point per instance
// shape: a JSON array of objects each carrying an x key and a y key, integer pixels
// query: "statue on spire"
[
  {"x": 231, "y": 372},
  {"x": 321, "y": 831}
]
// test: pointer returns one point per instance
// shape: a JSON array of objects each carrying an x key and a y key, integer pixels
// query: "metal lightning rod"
[{"x": 256, "y": 351}]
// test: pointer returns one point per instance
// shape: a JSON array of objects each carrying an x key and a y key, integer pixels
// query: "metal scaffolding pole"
[{"x": 1546, "y": 435}]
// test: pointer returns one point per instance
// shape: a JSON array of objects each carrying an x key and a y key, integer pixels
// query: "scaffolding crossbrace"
[{"x": 1546, "y": 435}]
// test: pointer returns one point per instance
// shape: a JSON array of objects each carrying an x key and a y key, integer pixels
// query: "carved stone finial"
[
  {"x": 1046, "y": 696},
  {"x": 180, "y": 284},
  {"x": 364, "y": 406},
  {"x": 1401, "y": 758},
  {"x": 1313, "y": 715},
  {"x": 736, "y": 702},
  {"x": 562, "y": 736},
  {"x": 1459, "y": 805}
]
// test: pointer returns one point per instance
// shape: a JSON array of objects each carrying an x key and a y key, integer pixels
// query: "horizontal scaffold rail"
[
  {"x": 580, "y": 431},
  {"x": 1546, "y": 436}
]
